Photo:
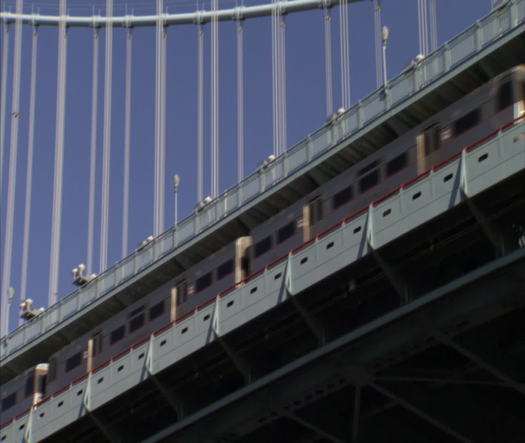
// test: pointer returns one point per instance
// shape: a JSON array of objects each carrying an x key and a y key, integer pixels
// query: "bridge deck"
[
  {"x": 343, "y": 279},
  {"x": 492, "y": 45}
]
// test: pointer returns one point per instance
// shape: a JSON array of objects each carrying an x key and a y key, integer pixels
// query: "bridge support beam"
[
  {"x": 177, "y": 405},
  {"x": 420, "y": 413},
  {"x": 240, "y": 363},
  {"x": 313, "y": 324},
  {"x": 111, "y": 435}
]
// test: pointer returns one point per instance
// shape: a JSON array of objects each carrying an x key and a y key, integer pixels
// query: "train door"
[
  {"x": 427, "y": 147},
  {"x": 242, "y": 258},
  {"x": 94, "y": 349},
  {"x": 312, "y": 215},
  {"x": 179, "y": 295},
  {"x": 40, "y": 382}
]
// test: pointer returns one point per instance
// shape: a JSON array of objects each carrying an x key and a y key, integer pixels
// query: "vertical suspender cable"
[
  {"x": 345, "y": 55},
  {"x": 200, "y": 112},
  {"x": 127, "y": 144},
  {"x": 93, "y": 151},
  {"x": 282, "y": 82},
  {"x": 423, "y": 26},
  {"x": 59, "y": 156},
  {"x": 433, "y": 25},
  {"x": 328, "y": 64},
  {"x": 275, "y": 94},
  {"x": 3, "y": 94},
  {"x": 11, "y": 181},
  {"x": 3, "y": 98},
  {"x": 29, "y": 167},
  {"x": 106, "y": 146},
  {"x": 378, "y": 43},
  {"x": 214, "y": 100},
  {"x": 240, "y": 101},
  {"x": 160, "y": 100}
]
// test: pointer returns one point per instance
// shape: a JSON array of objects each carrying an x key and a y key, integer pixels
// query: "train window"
[
  {"x": 30, "y": 385},
  {"x": 73, "y": 361},
  {"x": 315, "y": 211},
  {"x": 136, "y": 311},
  {"x": 286, "y": 232},
  {"x": 156, "y": 310},
  {"x": 52, "y": 370},
  {"x": 203, "y": 282},
  {"x": 97, "y": 343},
  {"x": 263, "y": 246},
  {"x": 117, "y": 334},
  {"x": 42, "y": 384},
  {"x": 182, "y": 292},
  {"x": 137, "y": 322},
  {"x": 342, "y": 197},
  {"x": 369, "y": 181},
  {"x": 467, "y": 122},
  {"x": 368, "y": 168},
  {"x": 396, "y": 164},
  {"x": 9, "y": 401},
  {"x": 225, "y": 269},
  {"x": 504, "y": 96}
]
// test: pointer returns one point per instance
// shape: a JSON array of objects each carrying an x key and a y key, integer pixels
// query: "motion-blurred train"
[{"x": 497, "y": 102}]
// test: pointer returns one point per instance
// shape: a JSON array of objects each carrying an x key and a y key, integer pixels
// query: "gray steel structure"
[
  {"x": 296, "y": 303},
  {"x": 143, "y": 371},
  {"x": 463, "y": 63}
]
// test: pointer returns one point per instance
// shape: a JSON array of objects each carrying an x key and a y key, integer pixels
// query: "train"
[{"x": 492, "y": 105}]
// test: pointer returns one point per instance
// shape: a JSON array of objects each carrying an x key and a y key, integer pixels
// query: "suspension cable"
[
  {"x": 200, "y": 112},
  {"x": 282, "y": 82},
  {"x": 423, "y": 26},
  {"x": 127, "y": 143},
  {"x": 93, "y": 151},
  {"x": 160, "y": 100},
  {"x": 378, "y": 43},
  {"x": 214, "y": 101},
  {"x": 59, "y": 158},
  {"x": 240, "y": 101},
  {"x": 11, "y": 181},
  {"x": 275, "y": 80},
  {"x": 433, "y": 25},
  {"x": 106, "y": 146},
  {"x": 345, "y": 56},
  {"x": 3, "y": 98},
  {"x": 29, "y": 167},
  {"x": 328, "y": 63}
]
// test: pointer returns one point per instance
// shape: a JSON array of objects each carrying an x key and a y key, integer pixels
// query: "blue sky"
[{"x": 305, "y": 106}]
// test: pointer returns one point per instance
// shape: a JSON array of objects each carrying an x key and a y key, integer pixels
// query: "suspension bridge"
[{"x": 370, "y": 352}]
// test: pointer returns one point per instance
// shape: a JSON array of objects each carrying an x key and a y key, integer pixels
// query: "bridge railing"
[{"x": 453, "y": 53}]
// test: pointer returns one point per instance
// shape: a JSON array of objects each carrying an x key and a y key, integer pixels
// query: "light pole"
[
  {"x": 384, "y": 38},
  {"x": 10, "y": 295},
  {"x": 176, "y": 182}
]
